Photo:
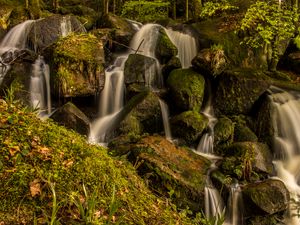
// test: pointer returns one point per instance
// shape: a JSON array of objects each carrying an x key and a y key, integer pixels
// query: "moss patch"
[{"x": 37, "y": 155}]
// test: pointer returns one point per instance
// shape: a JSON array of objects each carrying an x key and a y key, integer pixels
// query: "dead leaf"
[
  {"x": 35, "y": 187},
  {"x": 13, "y": 150}
]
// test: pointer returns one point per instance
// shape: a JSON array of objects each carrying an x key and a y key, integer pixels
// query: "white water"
[
  {"x": 66, "y": 26},
  {"x": 235, "y": 216},
  {"x": 286, "y": 122},
  {"x": 39, "y": 80},
  {"x": 165, "y": 116},
  {"x": 15, "y": 39},
  {"x": 111, "y": 100},
  {"x": 186, "y": 45}
]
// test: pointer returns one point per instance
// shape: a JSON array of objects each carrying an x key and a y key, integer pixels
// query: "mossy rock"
[
  {"x": 189, "y": 125},
  {"x": 223, "y": 131},
  {"x": 77, "y": 66},
  {"x": 247, "y": 160},
  {"x": 172, "y": 64},
  {"x": 71, "y": 117},
  {"x": 211, "y": 61},
  {"x": 42, "y": 162},
  {"x": 244, "y": 133},
  {"x": 164, "y": 49},
  {"x": 267, "y": 197},
  {"x": 178, "y": 172},
  {"x": 187, "y": 89},
  {"x": 140, "y": 69},
  {"x": 274, "y": 219},
  {"x": 47, "y": 31},
  {"x": 238, "y": 90}
]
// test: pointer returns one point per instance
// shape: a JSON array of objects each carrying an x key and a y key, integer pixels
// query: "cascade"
[
  {"x": 66, "y": 26},
  {"x": 39, "y": 81},
  {"x": 286, "y": 123},
  {"x": 234, "y": 216},
  {"x": 206, "y": 144},
  {"x": 15, "y": 39},
  {"x": 165, "y": 116},
  {"x": 112, "y": 96},
  {"x": 186, "y": 45}
]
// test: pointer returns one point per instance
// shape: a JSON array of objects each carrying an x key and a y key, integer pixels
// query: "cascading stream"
[
  {"x": 112, "y": 96},
  {"x": 14, "y": 40},
  {"x": 235, "y": 207},
  {"x": 286, "y": 123},
  {"x": 165, "y": 116},
  {"x": 40, "y": 86},
  {"x": 66, "y": 26}
]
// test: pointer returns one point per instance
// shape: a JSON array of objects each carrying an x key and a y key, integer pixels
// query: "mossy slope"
[{"x": 35, "y": 155}]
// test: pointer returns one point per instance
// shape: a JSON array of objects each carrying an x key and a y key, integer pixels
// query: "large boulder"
[
  {"x": 47, "y": 31},
  {"x": 165, "y": 49},
  {"x": 187, "y": 89},
  {"x": 212, "y": 61},
  {"x": 140, "y": 70},
  {"x": 145, "y": 117},
  {"x": 238, "y": 90},
  {"x": 77, "y": 66},
  {"x": 267, "y": 197},
  {"x": 223, "y": 131},
  {"x": 178, "y": 172},
  {"x": 244, "y": 158},
  {"x": 71, "y": 117},
  {"x": 189, "y": 125}
]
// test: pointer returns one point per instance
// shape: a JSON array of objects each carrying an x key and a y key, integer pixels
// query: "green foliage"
[
  {"x": 145, "y": 10},
  {"x": 212, "y": 9},
  {"x": 268, "y": 23}
]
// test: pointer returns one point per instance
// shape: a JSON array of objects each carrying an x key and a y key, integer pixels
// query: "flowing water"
[
  {"x": 66, "y": 26},
  {"x": 165, "y": 116},
  {"x": 14, "y": 40},
  {"x": 235, "y": 207},
  {"x": 186, "y": 45},
  {"x": 286, "y": 123},
  {"x": 40, "y": 86},
  {"x": 112, "y": 96}
]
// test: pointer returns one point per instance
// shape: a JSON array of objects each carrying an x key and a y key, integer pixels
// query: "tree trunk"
[
  {"x": 26, "y": 4},
  {"x": 174, "y": 9},
  {"x": 186, "y": 9}
]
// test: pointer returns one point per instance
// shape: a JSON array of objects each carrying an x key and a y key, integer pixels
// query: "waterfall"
[
  {"x": 286, "y": 123},
  {"x": 66, "y": 26},
  {"x": 15, "y": 39},
  {"x": 206, "y": 144},
  {"x": 186, "y": 45},
  {"x": 39, "y": 81},
  {"x": 111, "y": 100},
  {"x": 165, "y": 116},
  {"x": 234, "y": 216}
]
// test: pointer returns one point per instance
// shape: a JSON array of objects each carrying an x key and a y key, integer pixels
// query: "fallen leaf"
[{"x": 35, "y": 187}]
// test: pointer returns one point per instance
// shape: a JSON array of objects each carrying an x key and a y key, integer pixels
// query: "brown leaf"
[
  {"x": 35, "y": 187},
  {"x": 13, "y": 150}
]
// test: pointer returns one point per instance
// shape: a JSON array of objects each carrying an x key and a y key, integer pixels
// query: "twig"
[{"x": 139, "y": 46}]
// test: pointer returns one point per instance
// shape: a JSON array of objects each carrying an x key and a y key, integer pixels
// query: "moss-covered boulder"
[
  {"x": 223, "y": 131},
  {"x": 164, "y": 49},
  {"x": 71, "y": 117},
  {"x": 267, "y": 197},
  {"x": 189, "y": 125},
  {"x": 145, "y": 117},
  {"x": 44, "y": 167},
  {"x": 212, "y": 61},
  {"x": 77, "y": 66},
  {"x": 242, "y": 131},
  {"x": 247, "y": 160},
  {"x": 47, "y": 31},
  {"x": 140, "y": 70},
  {"x": 172, "y": 171},
  {"x": 238, "y": 90},
  {"x": 187, "y": 89},
  {"x": 172, "y": 64}
]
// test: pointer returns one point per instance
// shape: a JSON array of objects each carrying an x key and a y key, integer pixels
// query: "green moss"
[
  {"x": 37, "y": 155},
  {"x": 223, "y": 131},
  {"x": 187, "y": 88},
  {"x": 165, "y": 49},
  {"x": 79, "y": 46},
  {"x": 192, "y": 123}
]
